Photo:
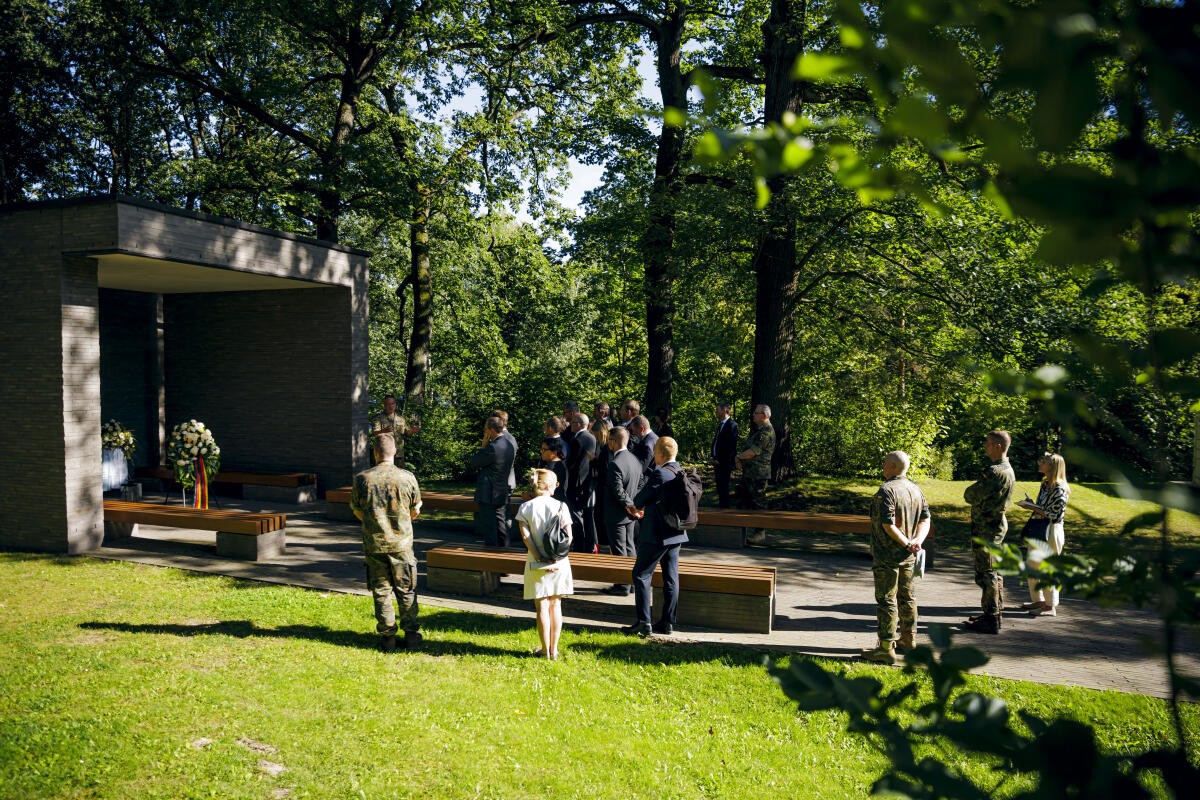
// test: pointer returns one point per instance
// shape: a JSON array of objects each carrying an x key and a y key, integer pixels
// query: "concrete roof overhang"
[{"x": 136, "y": 273}]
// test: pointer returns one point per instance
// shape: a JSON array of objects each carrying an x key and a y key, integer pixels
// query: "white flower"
[
  {"x": 195, "y": 450},
  {"x": 182, "y": 462}
]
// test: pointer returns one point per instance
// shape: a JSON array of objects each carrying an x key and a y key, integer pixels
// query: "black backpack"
[
  {"x": 681, "y": 499},
  {"x": 556, "y": 544}
]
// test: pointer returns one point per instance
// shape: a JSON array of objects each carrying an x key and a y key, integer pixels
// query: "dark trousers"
[
  {"x": 491, "y": 522},
  {"x": 601, "y": 526},
  {"x": 648, "y": 558},
  {"x": 723, "y": 474},
  {"x": 621, "y": 533},
  {"x": 583, "y": 529}
]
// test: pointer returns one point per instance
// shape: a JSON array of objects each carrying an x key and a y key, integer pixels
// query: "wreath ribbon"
[{"x": 200, "y": 495}]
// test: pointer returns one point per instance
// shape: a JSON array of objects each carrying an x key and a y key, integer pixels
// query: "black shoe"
[
  {"x": 641, "y": 629},
  {"x": 412, "y": 640},
  {"x": 982, "y": 624},
  {"x": 617, "y": 590},
  {"x": 388, "y": 644},
  {"x": 662, "y": 628}
]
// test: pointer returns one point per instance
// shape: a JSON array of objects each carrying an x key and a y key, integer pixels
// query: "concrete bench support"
[
  {"x": 115, "y": 531},
  {"x": 248, "y": 546},
  {"x": 339, "y": 511},
  {"x": 717, "y": 536},
  {"x": 461, "y": 581},
  {"x": 731, "y": 612}
]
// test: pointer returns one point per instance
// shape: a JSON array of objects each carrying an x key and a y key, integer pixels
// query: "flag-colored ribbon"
[{"x": 200, "y": 495}]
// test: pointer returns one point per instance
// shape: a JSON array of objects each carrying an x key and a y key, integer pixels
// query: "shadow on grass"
[{"x": 245, "y": 629}]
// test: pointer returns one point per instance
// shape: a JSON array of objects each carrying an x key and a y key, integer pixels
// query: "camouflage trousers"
[
  {"x": 989, "y": 580},
  {"x": 752, "y": 494},
  {"x": 894, "y": 582},
  {"x": 395, "y": 574}
]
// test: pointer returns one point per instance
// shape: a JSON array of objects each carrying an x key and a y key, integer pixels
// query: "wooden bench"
[
  {"x": 726, "y": 527},
  {"x": 279, "y": 487},
  {"x": 738, "y": 597},
  {"x": 240, "y": 534}
]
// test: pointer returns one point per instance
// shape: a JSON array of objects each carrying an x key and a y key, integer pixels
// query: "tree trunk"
[
  {"x": 659, "y": 240},
  {"x": 422, "y": 289},
  {"x": 777, "y": 286}
]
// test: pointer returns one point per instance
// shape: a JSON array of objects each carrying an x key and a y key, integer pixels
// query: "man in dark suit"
[
  {"x": 495, "y": 483},
  {"x": 724, "y": 451},
  {"x": 656, "y": 542},
  {"x": 643, "y": 442},
  {"x": 629, "y": 410},
  {"x": 621, "y": 485},
  {"x": 579, "y": 485}
]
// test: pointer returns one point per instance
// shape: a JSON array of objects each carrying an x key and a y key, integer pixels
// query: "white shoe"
[{"x": 1043, "y": 611}]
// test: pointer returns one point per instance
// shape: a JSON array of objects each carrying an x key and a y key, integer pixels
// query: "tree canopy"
[{"x": 866, "y": 237}]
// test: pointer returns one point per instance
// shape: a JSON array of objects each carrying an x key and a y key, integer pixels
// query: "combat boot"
[
  {"x": 412, "y": 640},
  {"x": 388, "y": 644},
  {"x": 885, "y": 653},
  {"x": 907, "y": 642}
]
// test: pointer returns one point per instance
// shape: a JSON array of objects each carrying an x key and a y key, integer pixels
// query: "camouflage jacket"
[
  {"x": 898, "y": 502},
  {"x": 762, "y": 442},
  {"x": 399, "y": 427},
  {"x": 989, "y": 498},
  {"x": 386, "y": 496}
]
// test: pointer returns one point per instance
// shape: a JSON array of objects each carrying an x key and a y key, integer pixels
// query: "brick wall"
[
  {"x": 50, "y": 392},
  {"x": 271, "y": 373}
]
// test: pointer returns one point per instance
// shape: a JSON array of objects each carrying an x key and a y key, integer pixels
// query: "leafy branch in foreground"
[
  {"x": 923, "y": 736},
  {"x": 1081, "y": 118}
]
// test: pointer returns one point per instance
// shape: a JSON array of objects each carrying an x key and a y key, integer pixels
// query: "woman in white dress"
[{"x": 545, "y": 583}]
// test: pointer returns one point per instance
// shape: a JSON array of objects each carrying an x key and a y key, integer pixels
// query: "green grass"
[{"x": 108, "y": 671}]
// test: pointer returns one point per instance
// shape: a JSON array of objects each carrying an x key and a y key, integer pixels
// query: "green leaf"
[
  {"x": 762, "y": 193},
  {"x": 965, "y": 658},
  {"x": 822, "y": 67},
  {"x": 674, "y": 117}
]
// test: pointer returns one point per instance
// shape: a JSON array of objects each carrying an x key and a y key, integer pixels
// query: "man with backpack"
[{"x": 663, "y": 530}]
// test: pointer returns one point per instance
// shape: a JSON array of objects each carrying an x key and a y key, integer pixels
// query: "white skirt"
[{"x": 548, "y": 583}]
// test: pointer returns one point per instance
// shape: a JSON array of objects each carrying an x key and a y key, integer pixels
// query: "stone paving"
[{"x": 825, "y": 601}]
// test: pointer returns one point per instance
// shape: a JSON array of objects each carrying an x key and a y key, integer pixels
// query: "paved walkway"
[{"x": 825, "y": 601}]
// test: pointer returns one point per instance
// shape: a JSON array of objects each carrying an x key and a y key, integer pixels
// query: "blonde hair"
[
  {"x": 1057, "y": 473},
  {"x": 667, "y": 446},
  {"x": 542, "y": 481}
]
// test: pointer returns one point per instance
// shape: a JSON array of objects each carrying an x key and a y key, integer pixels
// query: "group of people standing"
[
  {"x": 602, "y": 480},
  {"x": 900, "y": 523}
]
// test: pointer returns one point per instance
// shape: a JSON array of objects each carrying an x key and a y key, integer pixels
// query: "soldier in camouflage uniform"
[
  {"x": 755, "y": 463},
  {"x": 387, "y": 500},
  {"x": 388, "y": 421},
  {"x": 899, "y": 525},
  {"x": 989, "y": 498}
]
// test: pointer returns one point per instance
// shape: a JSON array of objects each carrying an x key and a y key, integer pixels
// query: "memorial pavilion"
[{"x": 115, "y": 308}]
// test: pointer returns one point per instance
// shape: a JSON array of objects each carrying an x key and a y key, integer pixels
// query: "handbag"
[
  {"x": 556, "y": 544},
  {"x": 1036, "y": 528}
]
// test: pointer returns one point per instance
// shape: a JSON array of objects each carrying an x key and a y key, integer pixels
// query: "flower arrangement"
[
  {"x": 115, "y": 436},
  {"x": 194, "y": 454}
]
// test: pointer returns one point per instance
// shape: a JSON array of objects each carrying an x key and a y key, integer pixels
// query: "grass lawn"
[{"x": 120, "y": 680}]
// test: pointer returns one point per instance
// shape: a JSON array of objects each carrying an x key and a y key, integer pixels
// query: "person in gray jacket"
[
  {"x": 495, "y": 482},
  {"x": 621, "y": 485}
]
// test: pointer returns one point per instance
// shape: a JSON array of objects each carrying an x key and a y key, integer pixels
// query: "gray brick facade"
[{"x": 113, "y": 308}]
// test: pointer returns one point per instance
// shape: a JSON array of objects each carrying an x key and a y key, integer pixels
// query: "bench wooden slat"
[
  {"x": 740, "y": 579},
  {"x": 212, "y": 519}
]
